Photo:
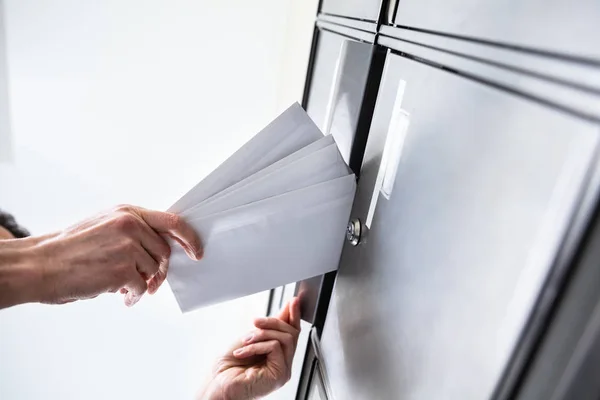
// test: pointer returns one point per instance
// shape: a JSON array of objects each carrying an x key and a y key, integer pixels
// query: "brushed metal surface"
[
  {"x": 334, "y": 102},
  {"x": 585, "y": 103},
  {"x": 558, "y": 366},
  {"x": 580, "y": 75},
  {"x": 431, "y": 303},
  {"x": 568, "y": 27},
  {"x": 356, "y": 9}
]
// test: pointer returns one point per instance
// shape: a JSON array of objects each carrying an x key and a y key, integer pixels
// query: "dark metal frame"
[
  {"x": 545, "y": 315},
  {"x": 355, "y": 163}
]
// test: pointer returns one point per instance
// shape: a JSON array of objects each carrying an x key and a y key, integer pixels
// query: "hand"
[
  {"x": 261, "y": 362},
  {"x": 120, "y": 250}
]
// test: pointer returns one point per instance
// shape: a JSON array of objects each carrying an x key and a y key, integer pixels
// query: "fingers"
[
  {"x": 294, "y": 306},
  {"x": 271, "y": 348},
  {"x": 154, "y": 244},
  {"x": 276, "y": 324},
  {"x": 135, "y": 289},
  {"x": 176, "y": 227},
  {"x": 276, "y": 329},
  {"x": 284, "y": 314},
  {"x": 159, "y": 277},
  {"x": 290, "y": 314},
  {"x": 146, "y": 265},
  {"x": 287, "y": 340}
]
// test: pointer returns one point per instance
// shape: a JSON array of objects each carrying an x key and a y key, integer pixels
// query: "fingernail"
[
  {"x": 238, "y": 352},
  {"x": 131, "y": 300},
  {"x": 261, "y": 320},
  {"x": 199, "y": 254},
  {"x": 128, "y": 300},
  {"x": 248, "y": 338}
]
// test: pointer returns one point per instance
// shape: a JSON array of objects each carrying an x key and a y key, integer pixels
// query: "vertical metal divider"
[{"x": 356, "y": 157}]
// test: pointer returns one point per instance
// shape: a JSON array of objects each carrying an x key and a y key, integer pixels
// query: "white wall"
[
  {"x": 128, "y": 101},
  {"x": 5, "y": 134}
]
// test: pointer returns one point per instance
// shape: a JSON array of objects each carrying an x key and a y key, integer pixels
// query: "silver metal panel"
[
  {"x": 569, "y": 27},
  {"x": 584, "y": 76},
  {"x": 431, "y": 303},
  {"x": 575, "y": 324},
  {"x": 582, "y": 102},
  {"x": 356, "y": 9},
  {"x": 308, "y": 291}
]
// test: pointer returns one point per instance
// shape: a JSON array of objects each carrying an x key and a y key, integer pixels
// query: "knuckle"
[
  {"x": 128, "y": 245},
  {"x": 259, "y": 335},
  {"x": 125, "y": 208},
  {"x": 165, "y": 250},
  {"x": 289, "y": 339},
  {"x": 276, "y": 345},
  {"x": 126, "y": 222},
  {"x": 173, "y": 221}
]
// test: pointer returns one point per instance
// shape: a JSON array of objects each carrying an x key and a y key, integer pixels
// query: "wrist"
[
  {"x": 21, "y": 272},
  {"x": 211, "y": 392}
]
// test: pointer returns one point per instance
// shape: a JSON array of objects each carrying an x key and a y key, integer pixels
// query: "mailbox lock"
[{"x": 353, "y": 231}]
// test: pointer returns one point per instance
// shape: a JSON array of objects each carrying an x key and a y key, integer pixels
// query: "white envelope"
[
  {"x": 274, "y": 213},
  {"x": 321, "y": 166},
  {"x": 257, "y": 249},
  {"x": 306, "y": 151},
  {"x": 289, "y": 132}
]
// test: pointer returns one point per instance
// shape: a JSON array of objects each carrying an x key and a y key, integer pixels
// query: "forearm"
[{"x": 21, "y": 272}]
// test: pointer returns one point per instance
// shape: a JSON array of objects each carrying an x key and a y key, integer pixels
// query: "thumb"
[{"x": 176, "y": 227}]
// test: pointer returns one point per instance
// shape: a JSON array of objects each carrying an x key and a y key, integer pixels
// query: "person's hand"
[
  {"x": 261, "y": 362},
  {"x": 123, "y": 250}
]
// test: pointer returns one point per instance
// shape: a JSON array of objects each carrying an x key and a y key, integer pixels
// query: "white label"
[
  {"x": 394, "y": 144},
  {"x": 392, "y": 150}
]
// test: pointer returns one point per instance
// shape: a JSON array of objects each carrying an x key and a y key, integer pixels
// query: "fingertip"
[
  {"x": 239, "y": 353},
  {"x": 258, "y": 322},
  {"x": 194, "y": 248},
  {"x": 128, "y": 299},
  {"x": 296, "y": 305},
  {"x": 188, "y": 235},
  {"x": 131, "y": 299},
  {"x": 295, "y": 316},
  {"x": 152, "y": 286},
  {"x": 193, "y": 254},
  {"x": 156, "y": 281},
  {"x": 284, "y": 315}
]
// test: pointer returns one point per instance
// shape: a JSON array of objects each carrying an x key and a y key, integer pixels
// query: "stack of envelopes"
[{"x": 273, "y": 213}]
